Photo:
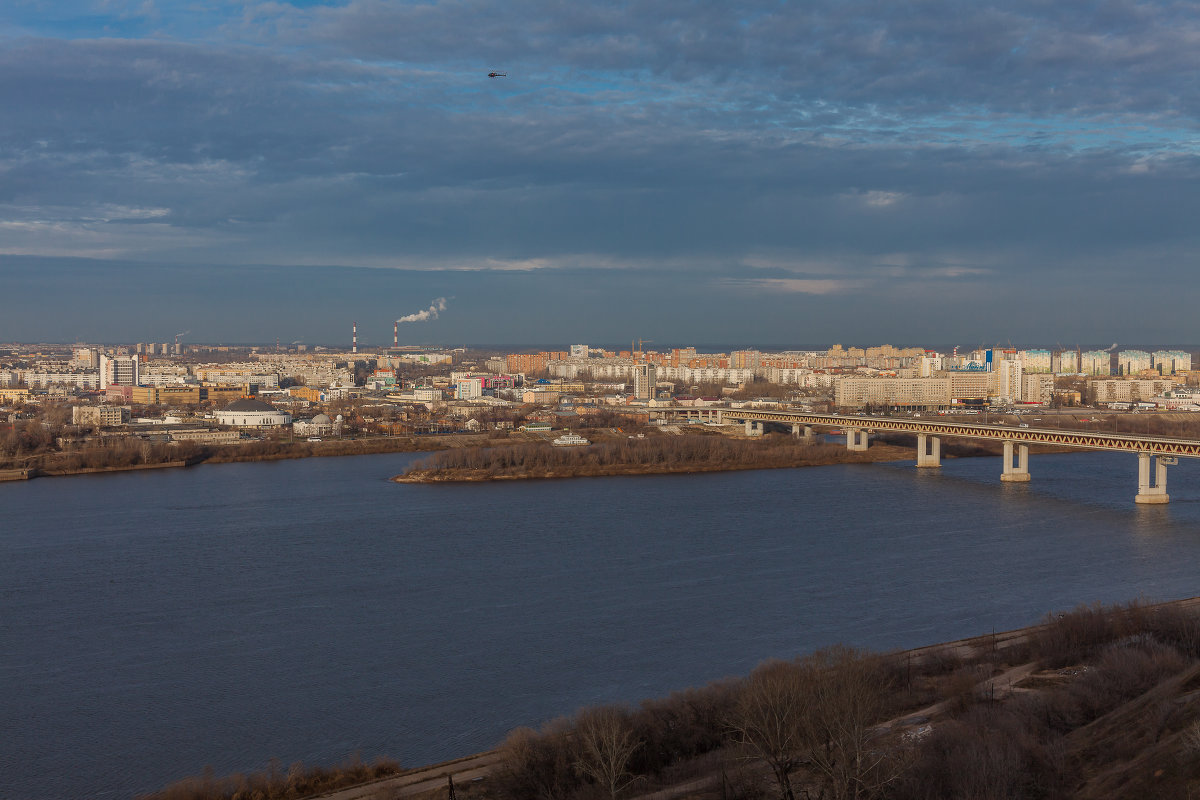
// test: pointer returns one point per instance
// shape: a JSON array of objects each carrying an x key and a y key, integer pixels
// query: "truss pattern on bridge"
[{"x": 1126, "y": 442}]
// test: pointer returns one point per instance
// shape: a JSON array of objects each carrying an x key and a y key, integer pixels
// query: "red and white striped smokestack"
[
  {"x": 354, "y": 343},
  {"x": 396, "y": 334}
]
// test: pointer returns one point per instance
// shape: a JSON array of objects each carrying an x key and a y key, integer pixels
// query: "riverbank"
[
  {"x": 1105, "y": 685},
  {"x": 189, "y": 455}
]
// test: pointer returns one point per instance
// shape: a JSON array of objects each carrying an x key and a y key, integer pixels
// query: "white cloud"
[
  {"x": 817, "y": 286},
  {"x": 881, "y": 199}
]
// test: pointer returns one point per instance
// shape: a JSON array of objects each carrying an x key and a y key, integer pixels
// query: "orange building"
[
  {"x": 527, "y": 362},
  {"x": 309, "y": 393}
]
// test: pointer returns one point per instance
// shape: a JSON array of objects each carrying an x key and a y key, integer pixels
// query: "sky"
[{"x": 745, "y": 171}]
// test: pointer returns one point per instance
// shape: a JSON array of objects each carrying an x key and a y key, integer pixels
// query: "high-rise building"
[
  {"x": 1008, "y": 374},
  {"x": 527, "y": 362},
  {"x": 85, "y": 357},
  {"x": 645, "y": 378},
  {"x": 1133, "y": 362},
  {"x": 1036, "y": 360},
  {"x": 745, "y": 359},
  {"x": 469, "y": 389},
  {"x": 931, "y": 362},
  {"x": 1168, "y": 362},
  {"x": 118, "y": 370},
  {"x": 1095, "y": 362},
  {"x": 1037, "y": 388},
  {"x": 1067, "y": 362}
]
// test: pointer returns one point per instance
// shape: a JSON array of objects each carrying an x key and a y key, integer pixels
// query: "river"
[{"x": 155, "y": 623}]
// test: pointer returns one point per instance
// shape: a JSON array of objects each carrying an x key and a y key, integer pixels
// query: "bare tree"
[
  {"x": 537, "y": 765},
  {"x": 770, "y": 718},
  {"x": 606, "y": 743},
  {"x": 817, "y": 717},
  {"x": 846, "y": 702}
]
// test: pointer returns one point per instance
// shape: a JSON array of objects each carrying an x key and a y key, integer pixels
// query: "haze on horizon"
[{"x": 682, "y": 171}]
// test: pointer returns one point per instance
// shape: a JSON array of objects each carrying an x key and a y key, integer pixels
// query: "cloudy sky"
[{"x": 739, "y": 172}]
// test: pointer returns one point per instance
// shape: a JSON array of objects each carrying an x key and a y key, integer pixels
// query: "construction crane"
[{"x": 640, "y": 342}]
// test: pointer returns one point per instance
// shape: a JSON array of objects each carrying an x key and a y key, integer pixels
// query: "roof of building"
[
  {"x": 249, "y": 404},
  {"x": 322, "y": 419}
]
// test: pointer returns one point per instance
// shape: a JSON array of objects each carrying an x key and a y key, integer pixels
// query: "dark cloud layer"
[{"x": 859, "y": 155}]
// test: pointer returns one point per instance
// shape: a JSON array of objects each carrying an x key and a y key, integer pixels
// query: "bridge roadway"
[{"x": 1155, "y": 453}]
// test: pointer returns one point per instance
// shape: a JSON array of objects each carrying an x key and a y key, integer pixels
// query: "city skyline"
[{"x": 739, "y": 172}]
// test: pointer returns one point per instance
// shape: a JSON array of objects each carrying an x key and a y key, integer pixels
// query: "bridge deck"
[{"x": 1127, "y": 442}]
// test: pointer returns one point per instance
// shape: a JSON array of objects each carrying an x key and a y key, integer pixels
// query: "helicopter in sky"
[{"x": 497, "y": 74}]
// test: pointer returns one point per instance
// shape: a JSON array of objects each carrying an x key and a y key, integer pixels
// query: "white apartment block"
[
  {"x": 1132, "y": 362},
  {"x": 906, "y": 392},
  {"x": 1037, "y": 388},
  {"x": 1068, "y": 362},
  {"x": 100, "y": 416},
  {"x": 1168, "y": 362},
  {"x": 1006, "y": 377},
  {"x": 37, "y": 379},
  {"x": 571, "y": 368},
  {"x": 1117, "y": 390},
  {"x": 118, "y": 370},
  {"x": 85, "y": 357},
  {"x": 1095, "y": 362},
  {"x": 1036, "y": 360},
  {"x": 784, "y": 375},
  {"x": 468, "y": 389},
  {"x": 693, "y": 375}
]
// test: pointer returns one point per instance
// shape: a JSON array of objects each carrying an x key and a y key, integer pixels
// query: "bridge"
[{"x": 1155, "y": 453}]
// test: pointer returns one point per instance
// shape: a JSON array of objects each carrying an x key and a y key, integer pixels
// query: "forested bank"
[
  {"x": 117, "y": 454},
  {"x": 653, "y": 455}
]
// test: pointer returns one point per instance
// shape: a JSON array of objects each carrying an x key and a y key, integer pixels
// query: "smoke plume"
[{"x": 428, "y": 314}]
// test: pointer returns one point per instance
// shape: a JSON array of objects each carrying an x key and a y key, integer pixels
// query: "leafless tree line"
[
  {"x": 814, "y": 728},
  {"x": 688, "y": 450},
  {"x": 275, "y": 783},
  {"x": 811, "y": 722}
]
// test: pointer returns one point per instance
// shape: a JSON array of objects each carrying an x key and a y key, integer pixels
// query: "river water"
[{"x": 155, "y": 623}]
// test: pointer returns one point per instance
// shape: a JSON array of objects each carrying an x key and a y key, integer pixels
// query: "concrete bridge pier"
[
  {"x": 1015, "y": 472},
  {"x": 1153, "y": 493},
  {"x": 807, "y": 432},
  {"x": 753, "y": 428},
  {"x": 856, "y": 439},
  {"x": 929, "y": 450}
]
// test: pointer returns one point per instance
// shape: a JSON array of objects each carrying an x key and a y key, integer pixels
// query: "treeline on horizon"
[{"x": 677, "y": 453}]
